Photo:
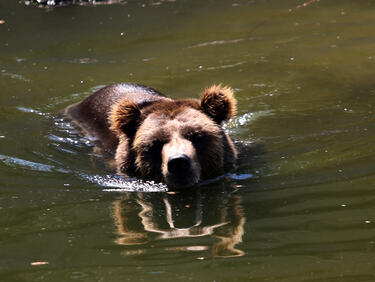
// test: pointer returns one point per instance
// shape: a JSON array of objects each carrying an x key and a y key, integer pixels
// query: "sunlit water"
[{"x": 300, "y": 206}]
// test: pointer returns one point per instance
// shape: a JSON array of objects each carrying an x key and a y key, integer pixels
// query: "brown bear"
[{"x": 178, "y": 141}]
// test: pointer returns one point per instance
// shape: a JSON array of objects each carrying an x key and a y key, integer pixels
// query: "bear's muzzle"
[{"x": 179, "y": 163}]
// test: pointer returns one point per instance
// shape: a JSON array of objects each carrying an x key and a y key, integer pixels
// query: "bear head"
[{"x": 178, "y": 141}]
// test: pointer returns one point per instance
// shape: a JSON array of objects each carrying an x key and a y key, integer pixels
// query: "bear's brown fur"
[{"x": 179, "y": 141}]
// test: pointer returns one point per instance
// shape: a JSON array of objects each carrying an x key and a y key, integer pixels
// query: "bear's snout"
[{"x": 179, "y": 164}]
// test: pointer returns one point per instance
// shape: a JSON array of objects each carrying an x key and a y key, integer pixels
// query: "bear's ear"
[
  {"x": 125, "y": 118},
  {"x": 219, "y": 103}
]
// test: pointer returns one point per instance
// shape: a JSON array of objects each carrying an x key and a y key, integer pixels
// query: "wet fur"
[{"x": 137, "y": 123}]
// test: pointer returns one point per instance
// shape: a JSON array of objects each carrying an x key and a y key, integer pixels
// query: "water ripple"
[
  {"x": 15, "y": 76},
  {"x": 245, "y": 119},
  {"x": 219, "y": 42},
  {"x": 116, "y": 183},
  {"x": 14, "y": 162},
  {"x": 33, "y": 111}
]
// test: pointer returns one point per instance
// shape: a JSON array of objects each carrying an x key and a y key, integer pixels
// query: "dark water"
[{"x": 301, "y": 206}]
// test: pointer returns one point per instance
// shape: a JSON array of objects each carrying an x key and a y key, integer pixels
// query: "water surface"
[{"x": 300, "y": 207}]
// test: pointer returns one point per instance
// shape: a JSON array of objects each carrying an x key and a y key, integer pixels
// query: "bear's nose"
[{"x": 179, "y": 164}]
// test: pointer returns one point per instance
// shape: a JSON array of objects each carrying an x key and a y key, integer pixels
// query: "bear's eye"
[
  {"x": 197, "y": 137},
  {"x": 156, "y": 146},
  {"x": 151, "y": 156}
]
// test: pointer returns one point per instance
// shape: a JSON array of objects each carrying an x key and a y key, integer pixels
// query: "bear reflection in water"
[{"x": 141, "y": 218}]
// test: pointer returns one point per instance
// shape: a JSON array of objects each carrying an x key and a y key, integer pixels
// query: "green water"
[{"x": 300, "y": 207}]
